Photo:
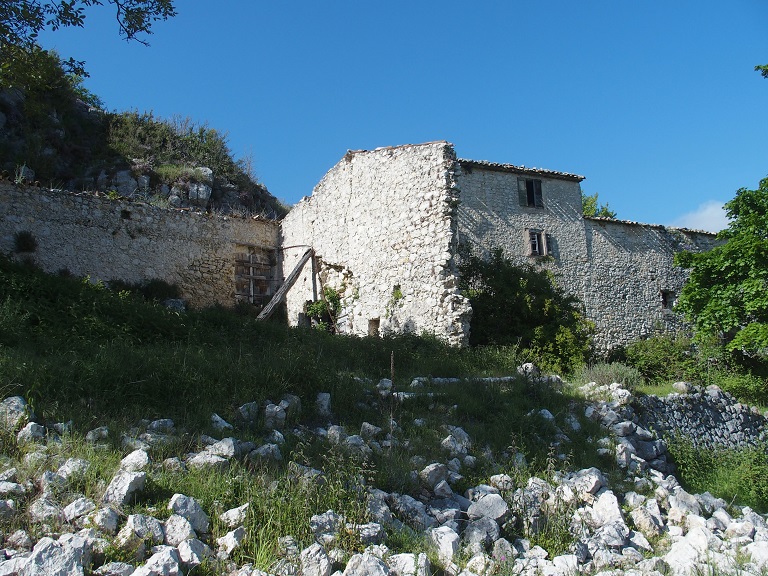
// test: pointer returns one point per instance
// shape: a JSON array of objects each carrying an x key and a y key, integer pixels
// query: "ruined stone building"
[{"x": 385, "y": 226}]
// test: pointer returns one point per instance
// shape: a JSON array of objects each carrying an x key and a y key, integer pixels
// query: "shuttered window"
[{"x": 529, "y": 192}]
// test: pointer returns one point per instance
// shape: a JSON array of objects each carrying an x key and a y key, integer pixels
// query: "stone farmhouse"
[
  {"x": 383, "y": 228},
  {"x": 387, "y": 224}
]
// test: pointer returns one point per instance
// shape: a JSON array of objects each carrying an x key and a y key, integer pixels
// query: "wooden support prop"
[{"x": 283, "y": 290}]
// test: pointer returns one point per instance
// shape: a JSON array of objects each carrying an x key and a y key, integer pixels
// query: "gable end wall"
[{"x": 382, "y": 226}]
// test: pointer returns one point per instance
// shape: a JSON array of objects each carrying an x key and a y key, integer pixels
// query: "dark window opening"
[
  {"x": 373, "y": 327},
  {"x": 667, "y": 299},
  {"x": 125, "y": 214},
  {"x": 539, "y": 243},
  {"x": 529, "y": 192}
]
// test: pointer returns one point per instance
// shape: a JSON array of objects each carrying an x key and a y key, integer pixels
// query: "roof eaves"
[{"x": 520, "y": 169}]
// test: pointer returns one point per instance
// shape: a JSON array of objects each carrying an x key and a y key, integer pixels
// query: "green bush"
[
  {"x": 748, "y": 388},
  {"x": 606, "y": 374},
  {"x": 523, "y": 306},
  {"x": 24, "y": 241},
  {"x": 665, "y": 358}
]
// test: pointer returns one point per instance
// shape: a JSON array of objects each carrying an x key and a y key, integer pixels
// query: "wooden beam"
[{"x": 283, "y": 290}]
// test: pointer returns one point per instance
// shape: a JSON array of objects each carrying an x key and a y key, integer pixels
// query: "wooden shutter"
[
  {"x": 522, "y": 193},
  {"x": 548, "y": 243},
  {"x": 538, "y": 199}
]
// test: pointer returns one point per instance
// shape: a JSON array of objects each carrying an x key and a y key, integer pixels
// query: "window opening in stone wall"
[
  {"x": 373, "y": 327},
  {"x": 667, "y": 299},
  {"x": 125, "y": 214},
  {"x": 529, "y": 192},
  {"x": 539, "y": 243},
  {"x": 252, "y": 276}
]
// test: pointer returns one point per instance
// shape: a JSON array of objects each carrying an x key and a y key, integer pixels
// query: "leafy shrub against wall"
[{"x": 523, "y": 305}]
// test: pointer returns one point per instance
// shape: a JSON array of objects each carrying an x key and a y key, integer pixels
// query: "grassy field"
[{"x": 81, "y": 352}]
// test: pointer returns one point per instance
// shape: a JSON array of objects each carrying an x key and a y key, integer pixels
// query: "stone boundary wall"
[
  {"x": 709, "y": 418},
  {"x": 382, "y": 226},
  {"x": 116, "y": 239}
]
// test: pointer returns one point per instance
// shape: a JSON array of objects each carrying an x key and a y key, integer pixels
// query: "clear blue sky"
[{"x": 656, "y": 103}]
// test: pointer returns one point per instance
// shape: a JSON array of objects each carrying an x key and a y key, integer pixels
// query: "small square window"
[
  {"x": 539, "y": 243},
  {"x": 667, "y": 299}
]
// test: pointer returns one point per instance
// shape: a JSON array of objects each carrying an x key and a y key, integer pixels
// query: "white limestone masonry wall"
[
  {"x": 114, "y": 239},
  {"x": 381, "y": 224}
]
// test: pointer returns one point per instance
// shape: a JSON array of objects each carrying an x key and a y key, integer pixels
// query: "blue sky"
[{"x": 656, "y": 103}]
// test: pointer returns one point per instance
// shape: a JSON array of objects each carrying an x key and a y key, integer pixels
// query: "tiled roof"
[
  {"x": 519, "y": 169},
  {"x": 644, "y": 225}
]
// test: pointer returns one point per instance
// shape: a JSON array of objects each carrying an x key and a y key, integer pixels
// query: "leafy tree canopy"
[
  {"x": 763, "y": 69},
  {"x": 21, "y": 22},
  {"x": 727, "y": 293},
  {"x": 591, "y": 207}
]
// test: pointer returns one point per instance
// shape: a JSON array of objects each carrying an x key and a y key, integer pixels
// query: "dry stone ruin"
[{"x": 385, "y": 227}]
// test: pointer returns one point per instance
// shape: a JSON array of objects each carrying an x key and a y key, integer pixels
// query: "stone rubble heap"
[{"x": 654, "y": 528}]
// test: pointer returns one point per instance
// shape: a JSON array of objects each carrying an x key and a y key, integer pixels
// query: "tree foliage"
[
  {"x": 727, "y": 293},
  {"x": 21, "y": 22},
  {"x": 763, "y": 69},
  {"x": 591, "y": 207},
  {"x": 522, "y": 305}
]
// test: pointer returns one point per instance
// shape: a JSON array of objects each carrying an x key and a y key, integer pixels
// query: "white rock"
[
  {"x": 606, "y": 509},
  {"x": 73, "y": 467},
  {"x": 315, "y": 562},
  {"x": 365, "y": 564},
  {"x": 139, "y": 530},
  {"x": 323, "y": 404},
  {"x": 205, "y": 460},
  {"x": 177, "y": 529},
  {"x": 13, "y": 412},
  {"x": 78, "y": 508},
  {"x": 44, "y": 510},
  {"x": 409, "y": 565},
  {"x": 190, "y": 509},
  {"x": 446, "y": 541},
  {"x": 164, "y": 562},
  {"x": 50, "y": 558},
  {"x": 489, "y": 506},
  {"x": 136, "y": 461},
  {"x": 32, "y": 432},
  {"x": 106, "y": 520},
  {"x": 123, "y": 487},
  {"x": 226, "y": 448},
  {"x": 193, "y": 552},
  {"x": 235, "y": 516},
  {"x": 219, "y": 423},
  {"x": 231, "y": 540}
]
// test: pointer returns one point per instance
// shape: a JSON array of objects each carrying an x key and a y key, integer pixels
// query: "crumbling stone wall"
[
  {"x": 115, "y": 239},
  {"x": 382, "y": 226},
  {"x": 621, "y": 271}
]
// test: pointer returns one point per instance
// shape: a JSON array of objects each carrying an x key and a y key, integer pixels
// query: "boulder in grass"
[
  {"x": 123, "y": 487},
  {"x": 189, "y": 508}
]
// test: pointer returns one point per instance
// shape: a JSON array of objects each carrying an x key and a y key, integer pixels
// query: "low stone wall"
[
  {"x": 116, "y": 239},
  {"x": 709, "y": 418}
]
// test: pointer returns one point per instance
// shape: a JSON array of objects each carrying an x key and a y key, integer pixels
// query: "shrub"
[
  {"x": 24, "y": 241},
  {"x": 522, "y": 305},
  {"x": 747, "y": 388},
  {"x": 664, "y": 358},
  {"x": 606, "y": 374}
]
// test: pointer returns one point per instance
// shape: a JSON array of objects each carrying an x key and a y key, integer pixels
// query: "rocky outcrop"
[{"x": 649, "y": 525}]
